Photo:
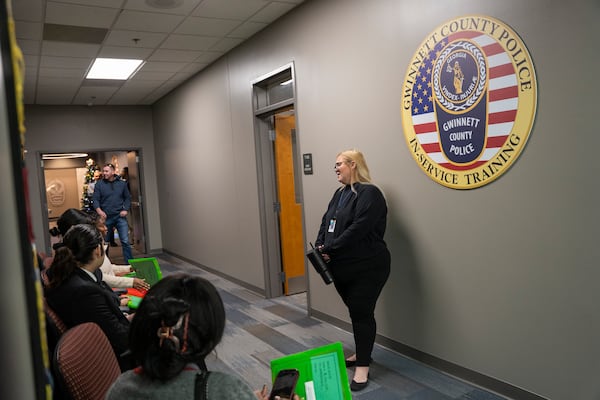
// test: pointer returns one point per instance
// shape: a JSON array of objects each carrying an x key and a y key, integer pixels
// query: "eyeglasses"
[{"x": 338, "y": 164}]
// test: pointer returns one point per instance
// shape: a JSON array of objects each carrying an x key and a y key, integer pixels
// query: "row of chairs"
[{"x": 84, "y": 365}]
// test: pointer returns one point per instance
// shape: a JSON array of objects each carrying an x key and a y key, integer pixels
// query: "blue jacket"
[{"x": 112, "y": 197}]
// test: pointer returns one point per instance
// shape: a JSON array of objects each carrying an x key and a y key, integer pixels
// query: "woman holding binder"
[{"x": 351, "y": 240}]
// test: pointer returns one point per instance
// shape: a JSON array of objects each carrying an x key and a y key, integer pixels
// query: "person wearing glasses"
[
  {"x": 112, "y": 202},
  {"x": 351, "y": 241}
]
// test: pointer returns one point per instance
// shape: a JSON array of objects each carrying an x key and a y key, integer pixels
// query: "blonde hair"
[{"x": 361, "y": 172}]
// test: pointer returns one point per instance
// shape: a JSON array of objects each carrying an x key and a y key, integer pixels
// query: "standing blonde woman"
[{"x": 351, "y": 240}]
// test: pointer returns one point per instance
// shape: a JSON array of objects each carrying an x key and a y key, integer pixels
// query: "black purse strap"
[{"x": 200, "y": 390}]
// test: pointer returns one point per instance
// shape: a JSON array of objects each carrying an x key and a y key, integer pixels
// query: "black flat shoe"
[{"x": 357, "y": 387}]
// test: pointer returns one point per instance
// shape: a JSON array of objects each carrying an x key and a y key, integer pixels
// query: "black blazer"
[{"x": 79, "y": 299}]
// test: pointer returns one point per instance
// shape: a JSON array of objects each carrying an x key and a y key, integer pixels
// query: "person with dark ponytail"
[
  {"x": 178, "y": 323},
  {"x": 111, "y": 274},
  {"x": 76, "y": 292}
]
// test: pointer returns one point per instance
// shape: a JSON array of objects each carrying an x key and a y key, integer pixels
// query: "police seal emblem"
[{"x": 469, "y": 101}]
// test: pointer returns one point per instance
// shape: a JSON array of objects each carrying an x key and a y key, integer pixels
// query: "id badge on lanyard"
[{"x": 331, "y": 225}]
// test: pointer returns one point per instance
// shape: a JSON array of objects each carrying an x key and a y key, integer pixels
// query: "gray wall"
[
  {"x": 502, "y": 279},
  {"x": 66, "y": 129}
]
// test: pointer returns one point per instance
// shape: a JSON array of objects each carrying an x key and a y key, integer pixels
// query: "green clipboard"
[
  {"x": 134, "y": 302},
  {"x": 322, "y": 370},
  {"x": 147, "y": 269}
]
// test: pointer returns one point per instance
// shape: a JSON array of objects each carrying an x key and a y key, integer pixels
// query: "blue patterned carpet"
[{"x": 260, "y": 329}]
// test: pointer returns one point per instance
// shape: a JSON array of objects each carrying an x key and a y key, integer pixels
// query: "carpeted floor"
[{"x": 260, "y": 329}]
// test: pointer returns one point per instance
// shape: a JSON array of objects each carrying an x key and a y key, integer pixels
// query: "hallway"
[{"x": 260, "y": 329}]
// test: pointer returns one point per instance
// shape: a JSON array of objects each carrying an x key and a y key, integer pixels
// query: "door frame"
[
  {"x": 43, "y": 199},
  {"x": 264, "y": 111}
]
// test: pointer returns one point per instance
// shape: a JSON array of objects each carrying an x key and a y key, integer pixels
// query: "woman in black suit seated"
[{"x": 77, "y": 293}]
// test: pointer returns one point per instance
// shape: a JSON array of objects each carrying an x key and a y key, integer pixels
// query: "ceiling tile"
[
  {"x": 28, "y": 10},
  {"x": 54, "y": 97},
  {"x": 135, "y": 53},
  {"x": 31, "y": 61},
  {"x": 174, "y": 55},
  {"x": 163, "y": 66},
  {"x": 30, "y": 76},
  {"x": 271, "y": 12},
  {"x": 247, "y": 29},
  {"x": 72, "y": 14},
  {"x": 151, "y": 76},
  {"x": 28, "y": 30},
  {"x": 148, "y": 22},
  {"x": 30, "y": 46},
  {"x": 66, "y": 62},
  {"x": 126, "y": 38},
  {"x": 61, "y": 73},
  {"x": 68, "y": 49},
  {"x": 145, "y": 86},
  {"x": 226, "y": 44},
  {"x": 183, "y": 76},
  {"x": 236, "y": 9},
  {"x": 208, "y": 57},
  {"x": 133, "y": 92},
  {"x": 194, "y": 67},
  {"x": 163, "y": 90},
  {"x": 189, "y": 42},
  {"x": 76, "y": 34},
  {"x": 207, "y": 26},
  {"x": 98, "y": 3},
  {"x": 94, "y": 95},
  {"x": 29, "y": 93},
  {"x": 184, "y": 7}
]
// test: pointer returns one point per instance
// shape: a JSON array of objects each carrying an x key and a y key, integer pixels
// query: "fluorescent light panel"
[
  {"x": 113, "y": 68},
  {"x": 59, "y": 156}
]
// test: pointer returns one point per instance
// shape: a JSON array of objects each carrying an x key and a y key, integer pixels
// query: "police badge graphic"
[{"x": 469, "y": 101}]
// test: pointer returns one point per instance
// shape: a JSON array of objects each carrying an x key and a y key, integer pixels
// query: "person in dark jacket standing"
[
  {"x": 351, "y": 241},
  {"x": 112, "y": 202}
]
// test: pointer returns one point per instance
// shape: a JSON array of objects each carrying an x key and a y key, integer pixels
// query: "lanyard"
[{"x": 344, "y": 197}]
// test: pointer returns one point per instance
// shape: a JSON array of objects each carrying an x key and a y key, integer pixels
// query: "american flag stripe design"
[{"x": 503, "y": 99}]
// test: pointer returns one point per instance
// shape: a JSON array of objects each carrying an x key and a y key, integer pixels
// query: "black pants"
[{"x": 359, "y": 285}]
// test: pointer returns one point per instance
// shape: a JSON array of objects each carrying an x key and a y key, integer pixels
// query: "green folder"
[{"x": 322, "y": 370}]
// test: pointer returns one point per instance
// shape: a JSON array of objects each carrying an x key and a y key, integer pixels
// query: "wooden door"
[{"x": 290, "y": 214}]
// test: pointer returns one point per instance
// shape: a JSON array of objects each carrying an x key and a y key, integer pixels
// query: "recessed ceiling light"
[
  {"x": 59, "y": 156},
  {"x": 113, "y": 68}
]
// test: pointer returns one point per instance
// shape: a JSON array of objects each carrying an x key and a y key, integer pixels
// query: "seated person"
[
  {"x": 179, "y": 322},
  {"x": 76, "y": 294},
  {"x": 111, "y": 273}
]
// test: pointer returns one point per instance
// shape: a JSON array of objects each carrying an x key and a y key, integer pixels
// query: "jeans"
[{"x": 123, "y": 228}]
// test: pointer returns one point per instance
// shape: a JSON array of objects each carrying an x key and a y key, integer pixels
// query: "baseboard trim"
[
  {"x": 252, "y": 288},
  {"x": 473, "y": 377}
]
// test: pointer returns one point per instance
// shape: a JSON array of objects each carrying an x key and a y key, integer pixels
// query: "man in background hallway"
[{"x": 112, "y": 201}]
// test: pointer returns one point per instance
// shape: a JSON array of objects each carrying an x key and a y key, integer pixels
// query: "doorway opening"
[
  {"x": 280, "y": 183},
  {"x": 68, "y": 181}
]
